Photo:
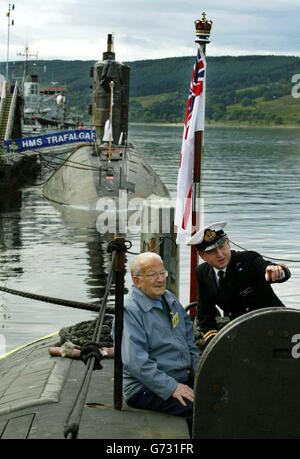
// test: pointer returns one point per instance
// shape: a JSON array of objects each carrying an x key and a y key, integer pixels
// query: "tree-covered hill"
[{"x": 240, "y": 90}]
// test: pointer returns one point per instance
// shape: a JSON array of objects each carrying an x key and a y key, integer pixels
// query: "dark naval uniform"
[{"x": 243, "y": 289}]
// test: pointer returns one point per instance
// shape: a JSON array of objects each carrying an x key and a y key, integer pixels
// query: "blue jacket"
[{"x": 155, "y": 354}]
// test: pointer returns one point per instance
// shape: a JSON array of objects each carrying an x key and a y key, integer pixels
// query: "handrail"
[
  {"x": 11, "y": 116},
  {"x": 90, "y": 351}
]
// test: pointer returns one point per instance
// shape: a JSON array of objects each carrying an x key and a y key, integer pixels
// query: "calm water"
[{"x": 251, "y": 178}]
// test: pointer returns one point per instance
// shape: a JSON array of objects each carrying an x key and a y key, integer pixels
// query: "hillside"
[{"x": 240, "y": 90}]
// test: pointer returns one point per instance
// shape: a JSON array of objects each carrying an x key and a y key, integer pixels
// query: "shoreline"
[{"x": 222, "y": 125}]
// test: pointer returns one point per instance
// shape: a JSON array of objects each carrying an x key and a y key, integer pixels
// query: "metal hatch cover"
[{"x": 247, "y": 383}]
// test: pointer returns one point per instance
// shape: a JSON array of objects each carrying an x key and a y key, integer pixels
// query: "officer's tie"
[{"x": 221, "y": 275}]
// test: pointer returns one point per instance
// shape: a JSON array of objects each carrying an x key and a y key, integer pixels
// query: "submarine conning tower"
[{"x": 110, "y": 100}]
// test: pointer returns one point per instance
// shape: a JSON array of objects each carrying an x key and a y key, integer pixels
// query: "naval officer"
[{"x": 235, "y": 282}]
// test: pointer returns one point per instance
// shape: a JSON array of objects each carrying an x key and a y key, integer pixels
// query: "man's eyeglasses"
[{"x": 154, "y": 276}]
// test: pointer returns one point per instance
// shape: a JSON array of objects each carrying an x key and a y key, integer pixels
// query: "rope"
[
  {"x": 114, "y": 246},
  {"x": 133, "y": 253},
  {"x": 57, "y": 164},
  {"x": 55, "y": 154},
  {"x": 92, "y": 361},
  {"x": 64, "y": 162},
  {"x": 48, "y": 299},
  {"x": 266, "y": 256},
  {"x": 111, "y": 85},
  {"x": 27, "y": 180},
  {"x": 69, "y": 163},
  {"x": 117, "y": 245}
]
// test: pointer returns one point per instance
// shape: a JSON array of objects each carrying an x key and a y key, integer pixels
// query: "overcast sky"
[{"x": 149, "y": 29}]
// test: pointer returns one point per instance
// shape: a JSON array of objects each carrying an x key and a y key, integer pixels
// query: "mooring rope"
[
  {"x": 50, "y": 299},
  {"x": 94, "y": 307},
  {"x": 266, "y": 256},
  {"x": 43, "y": 159}
]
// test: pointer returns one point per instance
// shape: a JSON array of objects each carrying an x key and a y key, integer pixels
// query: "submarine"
[
  {"x": 246, "y": 387},
  {"x": 110, "y": 164}
]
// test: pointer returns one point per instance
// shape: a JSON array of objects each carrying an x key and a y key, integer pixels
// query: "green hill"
[{"x": 240, "y": 90}]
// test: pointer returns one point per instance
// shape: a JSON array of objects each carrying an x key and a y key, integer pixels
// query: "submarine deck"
[{"x": 37, "y": 392}]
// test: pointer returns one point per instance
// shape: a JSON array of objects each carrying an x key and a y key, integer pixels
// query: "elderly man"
[
  {"x": 158, "y": 350},
  {"x": 236, "y": 282}
]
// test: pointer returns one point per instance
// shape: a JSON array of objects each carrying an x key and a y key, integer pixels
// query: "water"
[{"x": 251, "y": 178}]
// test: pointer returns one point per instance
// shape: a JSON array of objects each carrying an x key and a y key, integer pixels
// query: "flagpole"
[{"x": 203, "y": 27}]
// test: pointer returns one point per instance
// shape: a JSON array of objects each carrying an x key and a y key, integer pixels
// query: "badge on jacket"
[{"x": 175, "y": 319}]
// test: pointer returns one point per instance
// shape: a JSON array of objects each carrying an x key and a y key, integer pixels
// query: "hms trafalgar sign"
[{"x": 51, "y": 140}]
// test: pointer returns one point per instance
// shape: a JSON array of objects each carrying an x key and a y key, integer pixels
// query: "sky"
[{"x": 148, "y": 29}]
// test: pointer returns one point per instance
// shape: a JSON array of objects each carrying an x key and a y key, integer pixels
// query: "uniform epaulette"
[{"x": 209, "y": 334}]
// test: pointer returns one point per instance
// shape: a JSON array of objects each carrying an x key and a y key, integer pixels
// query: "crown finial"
[{"x": 202, "y": 29}]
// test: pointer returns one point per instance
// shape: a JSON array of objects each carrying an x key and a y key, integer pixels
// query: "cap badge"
[{"x": 209, "y": 235}]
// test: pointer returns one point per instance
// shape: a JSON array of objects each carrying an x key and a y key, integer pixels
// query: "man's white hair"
[{"x": 137, "y": 262}]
